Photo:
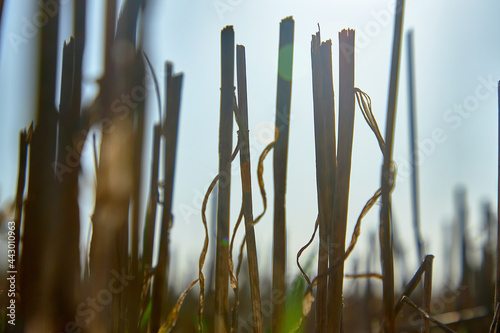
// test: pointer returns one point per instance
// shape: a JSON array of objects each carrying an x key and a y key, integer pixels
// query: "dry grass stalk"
[
  {"x": 224, "y": 190},
  {"x": 170, "y": 132},
  {"x": 247, "y": 190},
  {"x": 426, "y": 315},
  {"x": 413, "y": 283},
  {"x": 283, "y": 99},
  {"x": 427, "y": 291},
  {"x": 325, "y": 163},
  {"x": 37, "y": 284},
  {"x": 24, "y": 142},
  {"x": 413, "y": 144},
  {"x": 386, "y": 178},
  {"x": 344, "y": 153}
]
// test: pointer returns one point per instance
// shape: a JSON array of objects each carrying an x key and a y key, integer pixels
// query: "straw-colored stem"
[
  {"x": 170, "y": 130},
  {"x": 221, "y": 323},
  {"x": 413, "y": 149},
  {"x": 342, "y": 181},
  {"x": 386, "y": 178},
  {"x": 283, "y": 100},
  {"x": 247, "y": 190},
  {"x": 427, "y": 291}
]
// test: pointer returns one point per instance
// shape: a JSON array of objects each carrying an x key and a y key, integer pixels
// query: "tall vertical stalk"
[
  {"x": 427, "y": 291},
  {"x": 413, "y": 151},
  {"x": 253, "y": 268},
  {"x": 325, "y": 164},
  {"x": 170, "y": 130},
  {"x": 283, "y": 99},
  {"x": 37, "y": 283},
  {"x": 385, "y": 221},
  {"x": 342, "y": 182},
  {"x": 224, "y": 190}
]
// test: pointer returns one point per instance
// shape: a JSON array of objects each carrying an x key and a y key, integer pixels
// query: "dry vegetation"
[{"x": 131, "y": 291}]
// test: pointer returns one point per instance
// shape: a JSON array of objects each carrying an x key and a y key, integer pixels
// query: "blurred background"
[{"x": 456, "y": 69}]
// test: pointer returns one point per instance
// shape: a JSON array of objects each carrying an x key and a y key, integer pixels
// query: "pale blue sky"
[{"x": 456, "y": 50}]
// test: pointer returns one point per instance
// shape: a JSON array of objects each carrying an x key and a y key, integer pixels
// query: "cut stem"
[
  {"x": 247, "y": 189},
  {"x": 283, "y": 99}
]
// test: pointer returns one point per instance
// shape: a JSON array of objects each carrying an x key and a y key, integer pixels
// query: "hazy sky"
[{"x": 456, "y": 72}]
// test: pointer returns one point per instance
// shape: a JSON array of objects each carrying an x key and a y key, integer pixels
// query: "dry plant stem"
[
  {"x": 174, "y": 314},
  {"x": 68, "y": 220},
  {"x": 170, "y": 130},
  {"x": 283, "y": 99},
  {"x": 413, "y": 144},
  {"x": 37, "y": 283},
  {"x": 221, "y": 323},
  {"x": 344, "y": 153},
  {"x": 149, "y": 227},
  {"x": 324, "y": 162},
  {"x": 303, "y": 248},
  {"x": 134, "y": 292},
  {"x": 247, "y": 190},
  {"x": 331, "y": 159},
  {"x": 427, "y": 291},
  {"x": 408, "y": 301},
  {"x": 413, "y": 283},
  {"x": 494, "y": 323},
  {"x": 24, "y": 141},
  {"x": 386, "y": 178},
  {"x": 364, "y": 276}
]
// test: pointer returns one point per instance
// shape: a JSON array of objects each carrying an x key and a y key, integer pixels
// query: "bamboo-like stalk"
[
  {"x": 149, "y": 226},
  {"x": 24, "y": 140},
  {"x": 331, "y": 159},
  {"x": 325, "y": 164},
  {"x": 413, "y": 283},
  {"x": 170, "y": 130},
  {"x": 344, "y": 154},
  {"x": 38, "y": 308},
  {"x": 321, "y": 299},
  {"x": 385, "y": 221},
  {"x": 221, "y": 323},
  {"x": 427, "y": 291},
  {"x": 413, "y": 144},
  {"x": 68, "y": 220},
  {"x": 253, "y": 268},
  {"x": 283, "y": 99}
]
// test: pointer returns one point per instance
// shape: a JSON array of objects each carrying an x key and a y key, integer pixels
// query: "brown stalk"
[
  {"x": 344, "y": 153},
  {"x": 38, "y": 287},
  {"x": 413, "y": 145},
  {"x": 170, "y": 130},
  {"x": 283, "y": 99},
  {"x": 224, "y": 190},
  {"x": 427, "y": 291},
  {"x": 325, "y": 159},
  {"x": 149, "y": 226},
  {"x": 247, "y": 190},
  {"x": 426, "y": 315},
  {"x": 387, "y": 181}
]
